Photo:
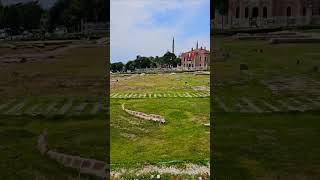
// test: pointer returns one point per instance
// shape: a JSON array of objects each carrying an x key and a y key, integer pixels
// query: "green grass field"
[
  {"x": 182, "y": 140},
  {"x": 75, "y": 76},
  {"x": 249, "y": 144}
]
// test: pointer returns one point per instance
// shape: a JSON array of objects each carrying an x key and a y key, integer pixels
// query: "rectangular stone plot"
[
  {"x": 80, "y": 108},
  {"x": 270, "y": 106},
  {"x": 194, "y": 95},
  {"x": 222, "y": 105},
  {"x": 252, "y": 105},
  {"x": 242, "y": 107},
  {"x": 51, "y": 108},
  {"x": 114, "y": 95},
  {"x": 65, "y": 107},
  {"x": 7, "y": 104},
  {"x": 312, "y": 101},
  {"x": 287, "y": 106},
  {"x": 96, "y": 108},
  {"x": 15, "y": 108},
  {"x": 34, "y": 110},
  {"x": 180, "y": 95},
  {"x": 300, "y": 105}
]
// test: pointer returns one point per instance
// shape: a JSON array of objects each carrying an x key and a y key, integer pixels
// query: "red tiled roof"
[{"x": 195, "y": 52}]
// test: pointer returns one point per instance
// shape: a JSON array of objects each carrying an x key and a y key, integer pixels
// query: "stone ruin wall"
[
  {"x": 83, "y": 165},
  {"x": 141, "y": 115}
]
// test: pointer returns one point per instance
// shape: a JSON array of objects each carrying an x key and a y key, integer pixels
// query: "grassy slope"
[
  {"x": 183, "y": 138},
  {"x": 267, "y": 146},
  {"x": 160, "y": 83},
  {"x": 39, "y": 82},
  {"x": 20, "y": 158},
  {"x": 276, "y": 60}
]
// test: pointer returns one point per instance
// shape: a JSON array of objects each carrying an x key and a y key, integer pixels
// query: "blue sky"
[{"x": 146, "y": 27}]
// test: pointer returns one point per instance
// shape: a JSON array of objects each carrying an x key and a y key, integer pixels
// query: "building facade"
[
  {"x": 196, "y": 59},
  {"x": 269, "y": 13}
]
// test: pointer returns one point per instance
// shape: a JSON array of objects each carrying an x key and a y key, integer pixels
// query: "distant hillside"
[{"x": 44, "y": 3}]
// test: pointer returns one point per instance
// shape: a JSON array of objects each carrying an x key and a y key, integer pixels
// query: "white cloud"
[{"x": 129, "y": 40}]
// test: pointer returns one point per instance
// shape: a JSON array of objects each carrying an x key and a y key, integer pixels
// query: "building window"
[
  {"x": 237, "y": 12},
  {"x": 255, "y": 12},
  {"x": 246, "y": 13},
  {"x": 265, "y": 12},
  {"x": 304, "y": 11},
  {"x": 288, "y": 11}
]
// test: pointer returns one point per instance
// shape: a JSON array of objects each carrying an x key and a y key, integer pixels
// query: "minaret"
[
  {"x": 173, "y": 45},
  {"x": 197, "y": 44}
]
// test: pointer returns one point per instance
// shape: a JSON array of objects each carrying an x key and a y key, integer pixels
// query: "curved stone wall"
[
  {"x": 83, "y": 165},
  {"x": 141, "y": 115}
]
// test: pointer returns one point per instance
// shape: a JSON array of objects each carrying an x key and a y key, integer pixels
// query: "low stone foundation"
[
  {"x": 83, "y": 165},
  {"x": 141, "y": 115},
  {"x": 294, "y": 40}
]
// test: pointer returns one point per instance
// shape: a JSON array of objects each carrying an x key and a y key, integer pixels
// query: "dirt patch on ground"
[
  {"x": 201, "y": 88},
  {"x": 189, "y": 169},
  {"x": 56, "y": 70}
]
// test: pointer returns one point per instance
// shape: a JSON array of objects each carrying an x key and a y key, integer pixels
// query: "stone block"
[
  {"x": 98, "y": 165},
  {"x": 76, "y": 163},
  {"x": 86, "y": 164}
]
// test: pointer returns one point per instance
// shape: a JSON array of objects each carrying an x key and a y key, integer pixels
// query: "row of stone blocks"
[
  {"x": 141, "y": 115},
  {"x": 294, "y": 40},
  {"x": 83, "y": 165}
]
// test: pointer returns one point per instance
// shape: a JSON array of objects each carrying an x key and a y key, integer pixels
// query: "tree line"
[
  {"x": 20, "y": 16},
  {"x": 68, "y": 13},
  {"x": 168, "y": 60}
]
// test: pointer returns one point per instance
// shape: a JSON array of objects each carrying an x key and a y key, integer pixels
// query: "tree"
[
  {"x": 169, "y": 59},
  {"x": 117, "y": 67},
  {"x": 70, "y": 13},
  {"x": 130, "y": 66}
]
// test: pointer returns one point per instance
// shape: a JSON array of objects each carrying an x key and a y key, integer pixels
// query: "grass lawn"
[
  {"x": 266, "y": 146},
  {"x": 274, "y": 145},
  {"x": 155, "y": 83},
  {"x": 85, "y": 136},
  {"x": 76, "y": 74},
  {"x": 182, "y": 140}
]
